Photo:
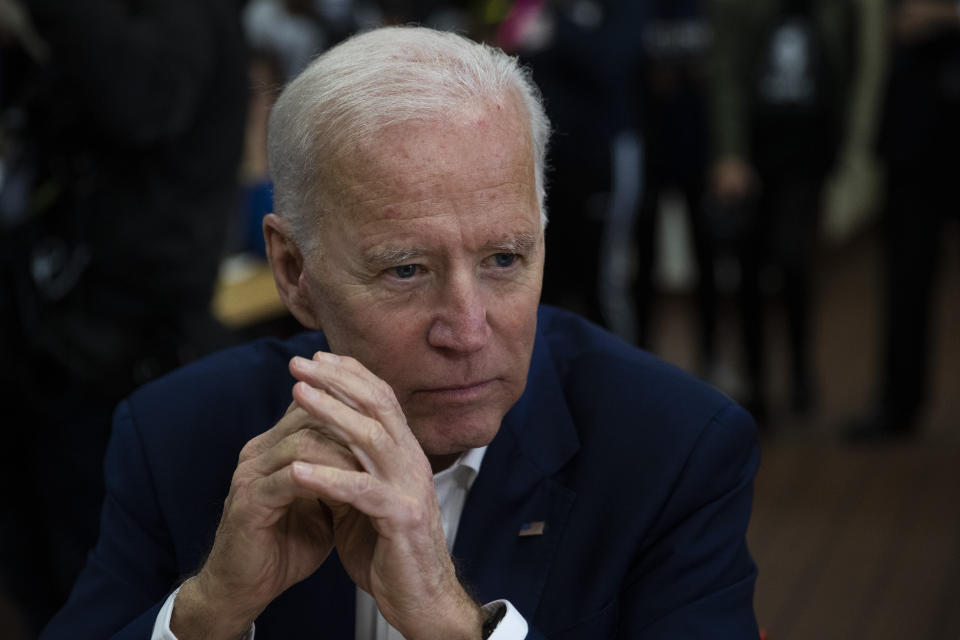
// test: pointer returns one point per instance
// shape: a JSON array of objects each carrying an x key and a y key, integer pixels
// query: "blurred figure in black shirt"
[
  {"x": 675, "y": 136},
  {"x": 920, "y": 144},
  {"x": 585, "y": 56},
  {"x": 121, "y": 144},
  {"x": 780, "y": 79}
]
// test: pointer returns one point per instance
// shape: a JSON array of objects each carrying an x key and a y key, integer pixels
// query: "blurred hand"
[
  {"x": 918, "y": 20},
  {"x": 732, "y": 178}
]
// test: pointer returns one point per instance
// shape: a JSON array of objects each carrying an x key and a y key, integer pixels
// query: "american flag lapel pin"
[{"x": 534, "y": 528}]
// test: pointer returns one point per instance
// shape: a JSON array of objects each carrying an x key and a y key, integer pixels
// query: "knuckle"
[
  {"x": 304, "y": 441},
  {"x": 239, "y": 491},
  {"x": 383, "y": 395},
  {"x": 426, "y": 471},
  {"x": 415, "y": 514},
  {"x": 289, "y": 476},
  {"x": 347, "y": 362},
  {"x": 309, "y": 444},
  {"x": 242, "y": 473},
  {"x": 362, "y": 483},
  {"x": 250, "y": 450},
  {"x": 298, "y": 414},
  {"x": 374, "y": 434}
]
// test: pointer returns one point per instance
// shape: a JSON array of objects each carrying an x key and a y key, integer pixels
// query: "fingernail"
[
  {"x": 326, "y": 355},
  {"x": 308, "y": 390},
  {"x": 302, "y": 470}
]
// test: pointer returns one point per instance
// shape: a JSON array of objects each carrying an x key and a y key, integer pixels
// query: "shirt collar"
[{"x": 469, "y": 461}]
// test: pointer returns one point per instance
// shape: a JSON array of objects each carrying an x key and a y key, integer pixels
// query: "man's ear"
[{"x": 286, "y": 263}]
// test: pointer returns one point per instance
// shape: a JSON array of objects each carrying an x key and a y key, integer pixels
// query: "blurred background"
[{"x": 763, "y": 193}]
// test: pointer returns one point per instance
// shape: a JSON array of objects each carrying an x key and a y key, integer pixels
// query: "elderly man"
[{"x": 451, "y": 443}]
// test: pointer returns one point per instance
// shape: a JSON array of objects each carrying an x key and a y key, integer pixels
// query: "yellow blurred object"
[
  {"x": 245, "y": 293},
  {"x": 494, "y": 11}
]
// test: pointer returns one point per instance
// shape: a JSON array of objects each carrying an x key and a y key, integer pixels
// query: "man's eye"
[
  {"x": 504, "y": 260},
  {"x": 405, "y": 271}
]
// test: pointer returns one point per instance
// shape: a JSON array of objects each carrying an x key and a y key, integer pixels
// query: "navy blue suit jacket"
[{"x": 642, "y": 474}]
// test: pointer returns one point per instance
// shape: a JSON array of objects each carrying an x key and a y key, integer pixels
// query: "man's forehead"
[
  {"x": 498, "y": 124},
  {"x": 414, "y": 168}
]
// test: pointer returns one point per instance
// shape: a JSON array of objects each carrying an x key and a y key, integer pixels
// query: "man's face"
[{"x": 429, "y": 266}]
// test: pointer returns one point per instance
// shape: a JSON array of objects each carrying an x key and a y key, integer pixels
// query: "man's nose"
[{"x": 460, "y": 322}]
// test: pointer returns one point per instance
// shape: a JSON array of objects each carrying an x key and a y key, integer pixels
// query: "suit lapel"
[{"x": 515, "y": 489}]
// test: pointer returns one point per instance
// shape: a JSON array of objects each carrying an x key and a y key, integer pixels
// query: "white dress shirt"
[{"x": 452, "y": 485}]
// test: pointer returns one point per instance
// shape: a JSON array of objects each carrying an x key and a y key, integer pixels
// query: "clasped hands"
[{"x": 341, "y": 469}]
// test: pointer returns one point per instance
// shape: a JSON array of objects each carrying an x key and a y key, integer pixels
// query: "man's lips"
[{"x": 461, "y": 391}]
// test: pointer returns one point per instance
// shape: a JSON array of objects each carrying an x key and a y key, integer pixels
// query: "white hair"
[{"x": 377, "y": 79}]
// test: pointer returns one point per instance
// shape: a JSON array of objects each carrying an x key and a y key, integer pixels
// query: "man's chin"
[{"x": 446, "y": 438}]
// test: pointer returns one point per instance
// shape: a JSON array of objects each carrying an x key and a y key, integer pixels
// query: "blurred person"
[
  {"x": 293, "y": 32},
  {"x": 451, "y": 440},
  {"x": 266, "y": 80},
  {"x": 779, "y": 79},
  {"x": 283, "y": 37},
  {"x": 919, "y": 142},
  {"x": 287, "y": 32},
  {"x": 585, "y": 57},
  {"x": 121, "y": 146},
  {"x": 676, "y": 141}
]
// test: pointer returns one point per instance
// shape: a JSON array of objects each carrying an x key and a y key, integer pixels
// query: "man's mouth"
[{"x": 462, "y": 392}]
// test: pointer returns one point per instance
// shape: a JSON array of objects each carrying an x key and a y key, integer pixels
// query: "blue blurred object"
[{"x": 258, "y": 199}]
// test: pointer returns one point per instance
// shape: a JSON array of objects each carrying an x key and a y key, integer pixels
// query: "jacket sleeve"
[
  {"x": 132, "y": 568},
  {"x": 694, "y": 577}
]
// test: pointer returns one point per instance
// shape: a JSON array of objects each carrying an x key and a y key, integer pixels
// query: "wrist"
[
  {"x": 467, "y": 624},
  {"x": 462, "y": 619},
  {"x": 199, "y": 612}
]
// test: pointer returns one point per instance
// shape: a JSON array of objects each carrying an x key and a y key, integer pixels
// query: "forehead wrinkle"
[
  {"x": 377, "y": 186},
  {"x": 385, "y": 209},
  {"x": 393, "y": 160},
  {"x": 425, "y": 193}
]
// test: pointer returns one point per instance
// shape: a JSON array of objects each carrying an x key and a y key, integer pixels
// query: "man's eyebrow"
[
  {"x": 383, "y": 257},
  {"x": 392, "y": 256},
  {"x": 521, "y": 243}
]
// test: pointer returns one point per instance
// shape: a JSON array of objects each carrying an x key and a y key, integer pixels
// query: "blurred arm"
[{"x": 729, "y": 68}]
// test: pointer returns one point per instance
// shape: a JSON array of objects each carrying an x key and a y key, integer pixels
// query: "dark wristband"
[{"x": 495, "y": 614}]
